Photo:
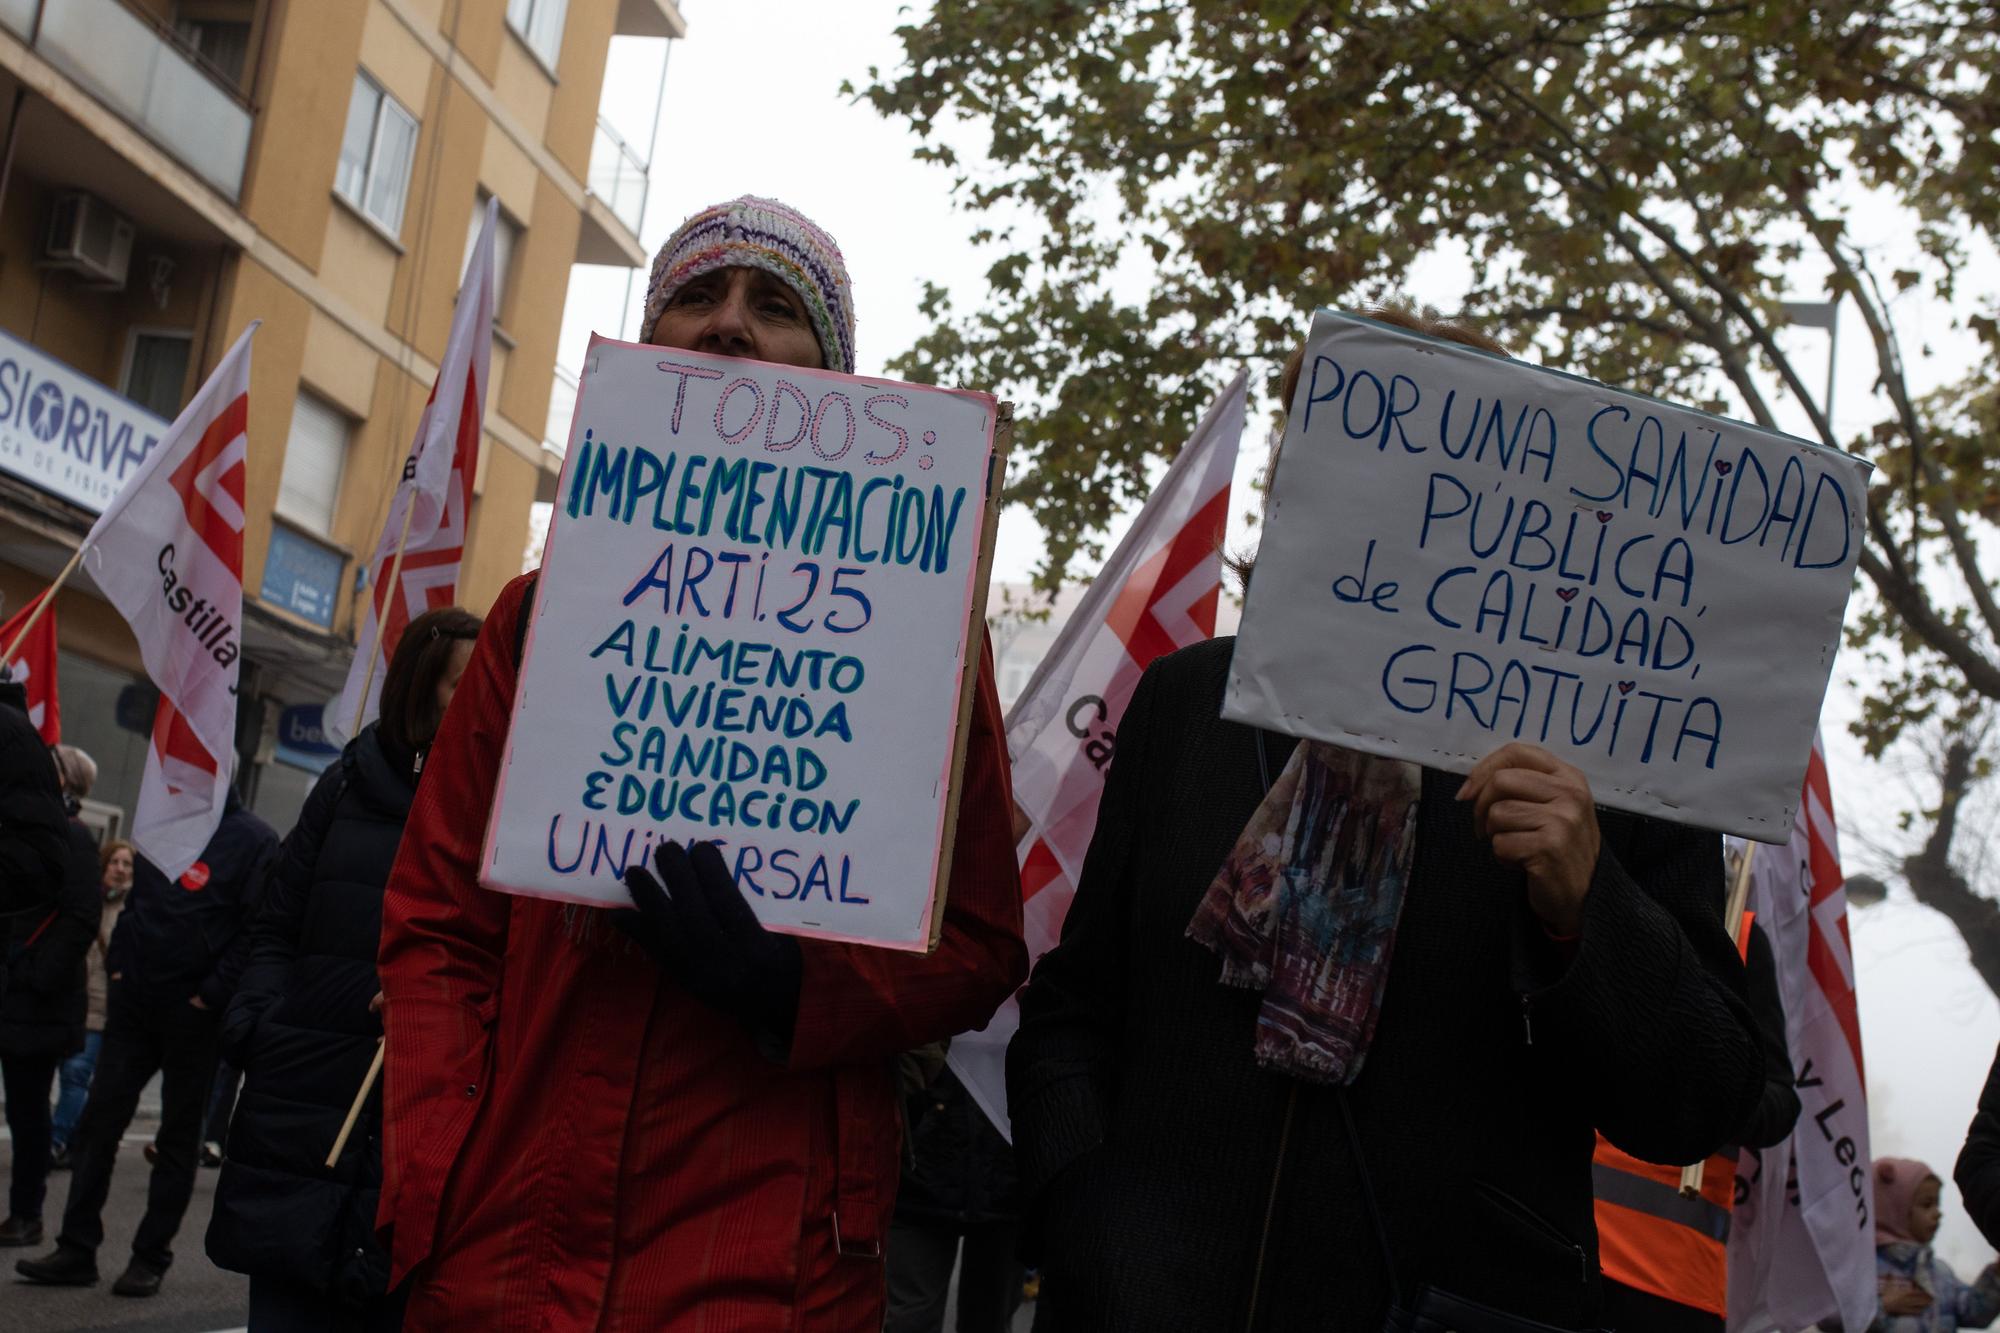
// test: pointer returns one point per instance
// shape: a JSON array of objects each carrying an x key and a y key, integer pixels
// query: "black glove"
[{"x": 695, "y": 924}]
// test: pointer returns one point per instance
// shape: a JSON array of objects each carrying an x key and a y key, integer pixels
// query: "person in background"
[
  {"x": 34, "y": 829},
  {"x": 1919, "y": 1292},
  {"x": 114, "y": 882},
  {"x": 1978, "y": 1169},
  {"x": 42, "y": 1006},
  {"x": 958, "y": 1206},
  {"x": 1665, "y": 1258},
  {"x": 303, "y": 1025},
  {"x": 175, "y": 957},
  {"x": 1326, "y": 1035},
  {"x": 666, "y": 1117}
]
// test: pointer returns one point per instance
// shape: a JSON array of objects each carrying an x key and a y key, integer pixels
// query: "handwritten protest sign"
[
  {"x": 753, "y": 626},
  {"x": 1464, "y": 550}
]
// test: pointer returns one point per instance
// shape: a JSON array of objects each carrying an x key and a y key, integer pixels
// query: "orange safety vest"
[{"x": 1652, "y": 1239}]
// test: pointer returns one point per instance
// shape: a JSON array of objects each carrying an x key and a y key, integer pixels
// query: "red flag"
[
  {"x": 34, "y": 667},
  {"x": 435, "y": 494},
  {"x": 1802, "y": 1241},
  {"x": 168, "y": 553},
  {"x": 1158, "y": 592}
]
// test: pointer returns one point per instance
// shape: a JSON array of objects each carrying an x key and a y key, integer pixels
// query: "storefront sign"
[
  {"x": 302, "y": 576},
  {"x": 302, "y": 741},
  {"x": 64, "y": 432}
]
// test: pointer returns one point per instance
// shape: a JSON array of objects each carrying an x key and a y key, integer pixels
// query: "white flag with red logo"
[
  {"x": 435, "y": 494},
  {"x": 33, "y": 667},
  {"x": 168, "y": 553},
  {"x": 1802, "y": 1239},
  {"x": 1158, "y": 592}
]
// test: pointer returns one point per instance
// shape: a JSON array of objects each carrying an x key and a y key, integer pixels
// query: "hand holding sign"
[
  {"x": 1538, "y": 813},
  {"x": 692, "y": 919}
]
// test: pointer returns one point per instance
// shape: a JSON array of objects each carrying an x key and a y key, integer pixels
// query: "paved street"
[{"x": 198, "y": 1296}]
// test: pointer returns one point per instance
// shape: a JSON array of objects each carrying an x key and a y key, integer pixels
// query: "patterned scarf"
[{"x": 1306, "y": 905}]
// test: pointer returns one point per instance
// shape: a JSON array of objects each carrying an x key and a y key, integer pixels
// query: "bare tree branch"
[{"x": 1939, "y": 886}]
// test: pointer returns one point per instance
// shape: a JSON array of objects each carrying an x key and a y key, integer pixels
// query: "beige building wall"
[{"x": 351, "y": 312}]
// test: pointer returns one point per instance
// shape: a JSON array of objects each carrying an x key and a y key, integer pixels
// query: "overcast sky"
[{"x": 752, "y": 105}]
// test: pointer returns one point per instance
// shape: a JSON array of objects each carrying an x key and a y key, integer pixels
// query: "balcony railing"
[
  {"x": 132, "y": 67},
  {"x": 562, "y": 406},
  {"x": 618, "y": 176}
]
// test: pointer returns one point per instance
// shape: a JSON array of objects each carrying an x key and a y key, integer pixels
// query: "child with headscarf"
[{"x": 1919, "y": 1292}]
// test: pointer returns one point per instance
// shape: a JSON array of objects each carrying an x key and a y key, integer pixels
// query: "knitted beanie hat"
[{"x": 762, "y": 233}]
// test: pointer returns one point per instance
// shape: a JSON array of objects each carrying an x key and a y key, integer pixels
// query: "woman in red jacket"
[{"x": 701, "y": 1132}]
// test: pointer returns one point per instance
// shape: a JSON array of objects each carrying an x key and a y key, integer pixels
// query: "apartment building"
[{"x": 172, "y": 170}]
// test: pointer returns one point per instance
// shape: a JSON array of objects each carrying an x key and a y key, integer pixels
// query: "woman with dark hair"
[{"x": 304, "y": 1023}]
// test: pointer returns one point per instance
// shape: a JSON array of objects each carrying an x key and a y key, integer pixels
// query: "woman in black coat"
[
  {"x": 303, "y": 1025},
  {"x": 42, "y": 1006}
]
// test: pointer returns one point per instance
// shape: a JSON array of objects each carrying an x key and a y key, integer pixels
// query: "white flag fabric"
[
  {"x": 1802, "y": 1239},
  {"x": 168, "y": 553},
  {"x": 435, "y": 493},
  {"x": 1158, "y": 592}
]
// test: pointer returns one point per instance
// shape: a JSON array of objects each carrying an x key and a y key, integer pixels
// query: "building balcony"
[
  {"x": 614, "y": 202},
  {"x": 650, "y": 18},
  {"x": 618, "y": 176},
  {"x": 137, "y": 69}
]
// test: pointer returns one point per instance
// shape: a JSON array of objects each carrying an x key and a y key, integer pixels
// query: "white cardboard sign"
[
  {"x": 751, "y": 626},
  {"x": 1463, "y": 550}
]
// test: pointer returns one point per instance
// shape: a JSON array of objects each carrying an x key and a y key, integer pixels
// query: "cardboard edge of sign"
[
  {"x": 999, "y": 442},
  {"x": 1349, "y": 317},
  {"x": 968, "y": 678}
]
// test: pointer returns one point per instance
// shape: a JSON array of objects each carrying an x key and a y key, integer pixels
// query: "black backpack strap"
[{"x": 521, "y": 623}]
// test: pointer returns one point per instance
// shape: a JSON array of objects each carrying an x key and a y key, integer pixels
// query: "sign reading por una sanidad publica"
[
  {"x": 751, "y": 627},
  {"x": 1464, "y": 550}
]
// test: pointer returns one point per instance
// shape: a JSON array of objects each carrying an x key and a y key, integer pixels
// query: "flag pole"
[
  {"x": 1732, "y": 921},
  {"x": 360, "y": 1099},
  {"x": 375, "y": 653},
  {"x": 48, "y": 599}
]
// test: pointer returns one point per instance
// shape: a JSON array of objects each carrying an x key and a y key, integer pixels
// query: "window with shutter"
[
  {"x": 506, "y": 239},
  {"x": 315, "y": 458},
  {"x": 539, "y": 23},
  {"x": 156, "y": 370},
  {"x": 376, "y": 153}
]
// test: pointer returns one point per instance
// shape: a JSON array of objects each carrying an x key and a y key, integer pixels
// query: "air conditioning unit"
[{"x": 86, "y": 237}]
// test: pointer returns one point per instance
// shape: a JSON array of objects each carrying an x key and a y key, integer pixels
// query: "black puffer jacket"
[
  {"x": 960, "y": 1172},
  {"x": 301, "y": 1031},
  {"x": 33, "y": 827},
  {"x": 42, "y": 1010}
]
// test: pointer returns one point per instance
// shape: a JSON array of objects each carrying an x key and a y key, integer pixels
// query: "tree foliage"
[{"x": 1638, "y": 186}]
